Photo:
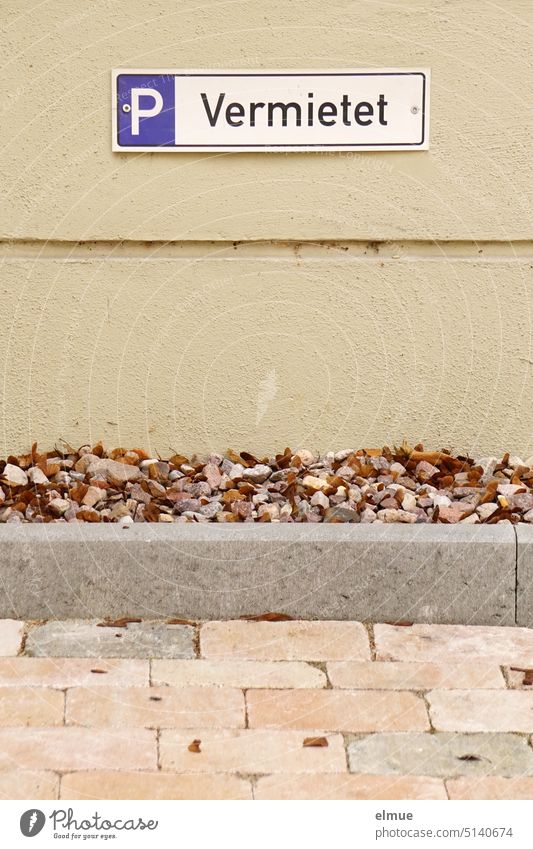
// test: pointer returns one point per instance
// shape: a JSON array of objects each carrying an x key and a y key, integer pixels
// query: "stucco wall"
[{"x": 369, "y": 297}]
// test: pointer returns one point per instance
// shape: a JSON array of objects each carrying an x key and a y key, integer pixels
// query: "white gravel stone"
[
  {"x": 210, "y": 510},
  {"x": 111, "y": 470},
  {"x": 441, "y": 501},
  {"x": 271, "y": 510},
  {"x": 320, "y": 500},
  {"x": 257, "y": 474},
  {"x": 508, "y": 489},
  {"x": 391, "y": 515},
  {"x": 62, "y": 477},
  {"x": 59, "y": 506},
  {"x": 145, "y": 464},
  {"x": 340, "y": 456},
  {"x": 409, "y": 501},
  {"x": 14, "y": 476},
  {"x": 307, "y": 457},
  {"x": 486, "y": 510},
  {"x": 37, "y": 476},
  {"x": 93, "y": 495},
  {"x": 315, "y": 483},
  {"x": 127, "y": 520}
]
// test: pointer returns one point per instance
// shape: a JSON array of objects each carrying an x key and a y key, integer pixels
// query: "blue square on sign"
[{"x": 145, "y": 110}]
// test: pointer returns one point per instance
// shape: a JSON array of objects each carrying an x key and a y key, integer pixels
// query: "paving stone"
[
  {"x": 11, "y": 632},
  {"x": 246, "y": 751},
  {"x": 155, "y": 707},
  {"x": 79, "y": 638},
  {"x": 284, "y": 640},
  {"x": 72, "y": 748},
  {"x": 441, "y": 755},
  {"x": 336, "y": 710},
  {"x": 31, "y": 706},
  {"x": 63, "y": 672},
  {"x": 244, "y": 674},
  {"x": 289, "y": 787},
  {"x": 152, "y": 785},
  {"x": 442, "y": 643},
  {"x": 482, "y": 710},
  {"x": 20, "y": 784},
  {"x": 109, "y": 747},
  {"x": 414, "y": 676},
  {"x": 490, "y": 788}
]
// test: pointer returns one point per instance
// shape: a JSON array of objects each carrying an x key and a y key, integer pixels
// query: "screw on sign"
[{"x": 32, "y": 822}]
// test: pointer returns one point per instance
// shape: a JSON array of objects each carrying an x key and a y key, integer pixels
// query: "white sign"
[{"x": 235, "y": 111}]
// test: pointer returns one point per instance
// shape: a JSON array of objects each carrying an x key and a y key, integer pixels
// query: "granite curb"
[
  {"x": 431, "y": 573},
  {"x": 524, "y": 574}
]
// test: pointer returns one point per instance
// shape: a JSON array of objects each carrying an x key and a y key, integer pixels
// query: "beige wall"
[{"x": 371, "y": 296}]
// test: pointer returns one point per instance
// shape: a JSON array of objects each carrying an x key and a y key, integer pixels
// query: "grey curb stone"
[
  {"x": 429, "y": 573},
  {"x": 524, "y": 575},
  {"x": 441, "y": 755}
]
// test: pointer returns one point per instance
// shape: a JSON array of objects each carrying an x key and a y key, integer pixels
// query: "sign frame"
[{"x": 299, "y": 147}]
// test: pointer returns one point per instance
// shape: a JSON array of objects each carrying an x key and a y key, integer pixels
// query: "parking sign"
[{"x": 230, "y": 111}]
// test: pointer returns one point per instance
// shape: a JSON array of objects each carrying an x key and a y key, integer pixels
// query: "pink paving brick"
[
  {"x": 482, "y": 710},
  {"x": 77, "y": 748},
  {"x": 443, "y": 643},
  {"x": 255, "y": 751},
  {"x": 415, "y": 676},
  {"x": 31, "y": 706},
  {"x": 237, "y": 673},
  {"x": 11, "y": 632},
  {"x": 62, "y": 672},
  {"x": 348, "y": 787},
  {"x": 491, "y": 787},
  {"x": 24, "y": 784},
  {"x": 284, "y": 640},
  {"x": 156, "y": 707},
  {"x": 336, "y": 710},
  {"x": 153, "y": 785}
]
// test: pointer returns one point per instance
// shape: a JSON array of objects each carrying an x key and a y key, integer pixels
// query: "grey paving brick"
[
  {"x": 441, "y": 755},
  {"x": 76, "y": 638}
]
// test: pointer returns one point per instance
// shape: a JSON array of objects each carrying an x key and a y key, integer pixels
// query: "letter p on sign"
[{"x": 136, "y": 111}]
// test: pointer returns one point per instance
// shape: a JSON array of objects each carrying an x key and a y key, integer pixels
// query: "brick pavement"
[{"x": 265, "y": 710}]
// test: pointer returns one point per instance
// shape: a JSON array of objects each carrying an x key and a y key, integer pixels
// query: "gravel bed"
[{"x": 405, "y": 484}]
